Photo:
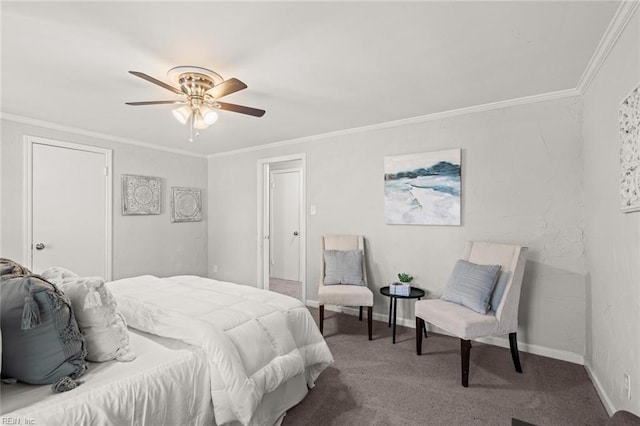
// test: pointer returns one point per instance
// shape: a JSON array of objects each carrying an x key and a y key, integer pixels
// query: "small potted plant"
[{"x": 402, "y": 288}]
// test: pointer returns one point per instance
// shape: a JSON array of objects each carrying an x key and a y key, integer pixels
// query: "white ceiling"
[{"x": 315, "y": 67}]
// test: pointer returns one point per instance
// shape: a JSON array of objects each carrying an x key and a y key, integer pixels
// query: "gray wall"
[
  {"x": 141, "y": 244},
  {"x": 522, "y": 171},
  {"x": 612, "y": 238}
]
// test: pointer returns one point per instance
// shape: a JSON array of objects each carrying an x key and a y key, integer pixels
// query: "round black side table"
[{"x": 415, "y": 293}]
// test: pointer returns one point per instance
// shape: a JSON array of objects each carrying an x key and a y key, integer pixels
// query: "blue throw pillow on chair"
[
  {"x": 343, "y": 267},
  {"x": 501, "y": 285},
  {"x": 471, "y": 285}
]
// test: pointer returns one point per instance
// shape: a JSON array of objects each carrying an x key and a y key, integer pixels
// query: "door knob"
[
  {"x": 39, "y": 246},
  {"x": 295, "y": 233}
]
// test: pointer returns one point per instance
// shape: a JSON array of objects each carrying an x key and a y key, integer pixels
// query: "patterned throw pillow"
[
  {"x": 104, "y": 328},
  {"x": 37, "y": 318}
]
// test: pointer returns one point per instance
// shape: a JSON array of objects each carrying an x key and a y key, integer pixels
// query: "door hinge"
[{"x": 106, "y": 171}]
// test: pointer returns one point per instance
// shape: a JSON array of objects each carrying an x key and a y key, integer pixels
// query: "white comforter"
[{"x": 255, "y": 339}]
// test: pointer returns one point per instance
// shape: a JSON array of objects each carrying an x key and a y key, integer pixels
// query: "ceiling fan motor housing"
[{"x": 195, "y": 85}]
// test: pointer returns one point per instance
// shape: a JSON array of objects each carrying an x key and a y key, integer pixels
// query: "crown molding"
[
  {"x": 611, "y": 35},
  {"x": 561, "y": 94},
  {"x": 105, "y": 136}
]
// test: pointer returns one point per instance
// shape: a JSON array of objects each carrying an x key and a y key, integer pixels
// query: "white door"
[
  {"x": 70, "y": 208},
  {"x": 285, "y": 224}
]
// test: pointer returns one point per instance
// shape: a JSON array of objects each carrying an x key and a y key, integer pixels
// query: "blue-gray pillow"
[
  {"x": 343, "y": 267},
  {"x": 471, "y": 285},
  {"x": 42, "y": 340},
  {"x": 498, "y": 291}
]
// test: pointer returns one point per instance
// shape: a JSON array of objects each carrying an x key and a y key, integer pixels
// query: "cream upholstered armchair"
[
  {"x": 343, "y": 276},
  {"x": 466, "y": 323}
]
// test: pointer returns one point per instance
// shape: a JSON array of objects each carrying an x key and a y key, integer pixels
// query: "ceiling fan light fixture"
[
  {"x": 208, "y": 114},
  {"x": 182, "y": 114},
  {"x": 198, "y": 121}
]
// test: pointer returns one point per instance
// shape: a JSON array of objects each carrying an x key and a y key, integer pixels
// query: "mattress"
[{"x": 167, "y": 384}]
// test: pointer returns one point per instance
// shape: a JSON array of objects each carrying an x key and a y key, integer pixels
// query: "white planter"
[{"x": 400, "y": 289}]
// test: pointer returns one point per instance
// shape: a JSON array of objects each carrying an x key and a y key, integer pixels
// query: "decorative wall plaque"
[
  {"x": 629, "y": 131},
  {"x": 186, "y": 205},
  {"x": 141, "y": 195}
]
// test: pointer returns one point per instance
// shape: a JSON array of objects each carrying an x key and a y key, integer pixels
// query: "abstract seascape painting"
[{"x": 422, "y": 189}]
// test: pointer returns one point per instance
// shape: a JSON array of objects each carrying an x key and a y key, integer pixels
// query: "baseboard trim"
[
  {"x": 355, "y": 312},
  {"x": 494, "y": 340},
  {"x": 604, "y": 397},
  {"x": 571, "y": 357}
]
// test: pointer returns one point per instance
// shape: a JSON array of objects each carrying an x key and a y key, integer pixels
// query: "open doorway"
[{"x": 281, "y": 225}]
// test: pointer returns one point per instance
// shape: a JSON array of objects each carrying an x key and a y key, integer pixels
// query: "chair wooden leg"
[
  {"x": 419, "y": 328},
  {"x": 360, "y": 318},
  {"x": 370, "y": 321},
  {"x": 513, "y": 343},
  {"x": 321, "y": 319},
  {"x": 465, "y": 351}
]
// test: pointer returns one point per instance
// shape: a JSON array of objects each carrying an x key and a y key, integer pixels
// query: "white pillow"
[{"x": 103, "y": 327}]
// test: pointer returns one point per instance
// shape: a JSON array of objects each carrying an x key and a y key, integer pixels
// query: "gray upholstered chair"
[
  {"x": 344, "y": 294},
  {"x": 468, "y": 324}
]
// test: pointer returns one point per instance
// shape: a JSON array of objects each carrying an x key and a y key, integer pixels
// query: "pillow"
[
  {"x": 343, "y": 267},
  {"x": 43, "y": 344},
  {"x": 104, "y": 328},
  {"x": 471, "y": 285},
  {"x": 498, "y": 291}
]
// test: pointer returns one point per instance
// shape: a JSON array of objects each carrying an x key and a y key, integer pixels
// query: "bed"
[
  {"x": 138, "y": 392},
  {"x": 208, "y": 352}
]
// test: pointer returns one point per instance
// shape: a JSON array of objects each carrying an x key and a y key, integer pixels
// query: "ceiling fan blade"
[
  {"x": 226, "y": 88},
  {"x": 154, "y": 103},
  {"x": 241, "y": 109},
  {"x": 155, "y": 81}
]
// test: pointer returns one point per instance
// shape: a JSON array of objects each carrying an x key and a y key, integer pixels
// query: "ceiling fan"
[{"x": 199, "y": 91}]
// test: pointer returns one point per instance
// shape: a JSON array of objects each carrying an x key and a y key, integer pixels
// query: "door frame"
[
  {"x": 300, "y": 211},
  {"x": 263, "y": 220},
  {"x": 29, "y": 141}
]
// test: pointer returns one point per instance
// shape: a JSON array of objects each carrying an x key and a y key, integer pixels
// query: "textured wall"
[
  {"x": 612, "y": 238},
  {"x": 141, "y": 244},
  {"x": 521, "y": 169}
]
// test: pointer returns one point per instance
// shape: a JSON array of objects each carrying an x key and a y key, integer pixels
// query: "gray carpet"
[
  {"x": 379, "y": 383},
  {"x": 290, "y": 288}
]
